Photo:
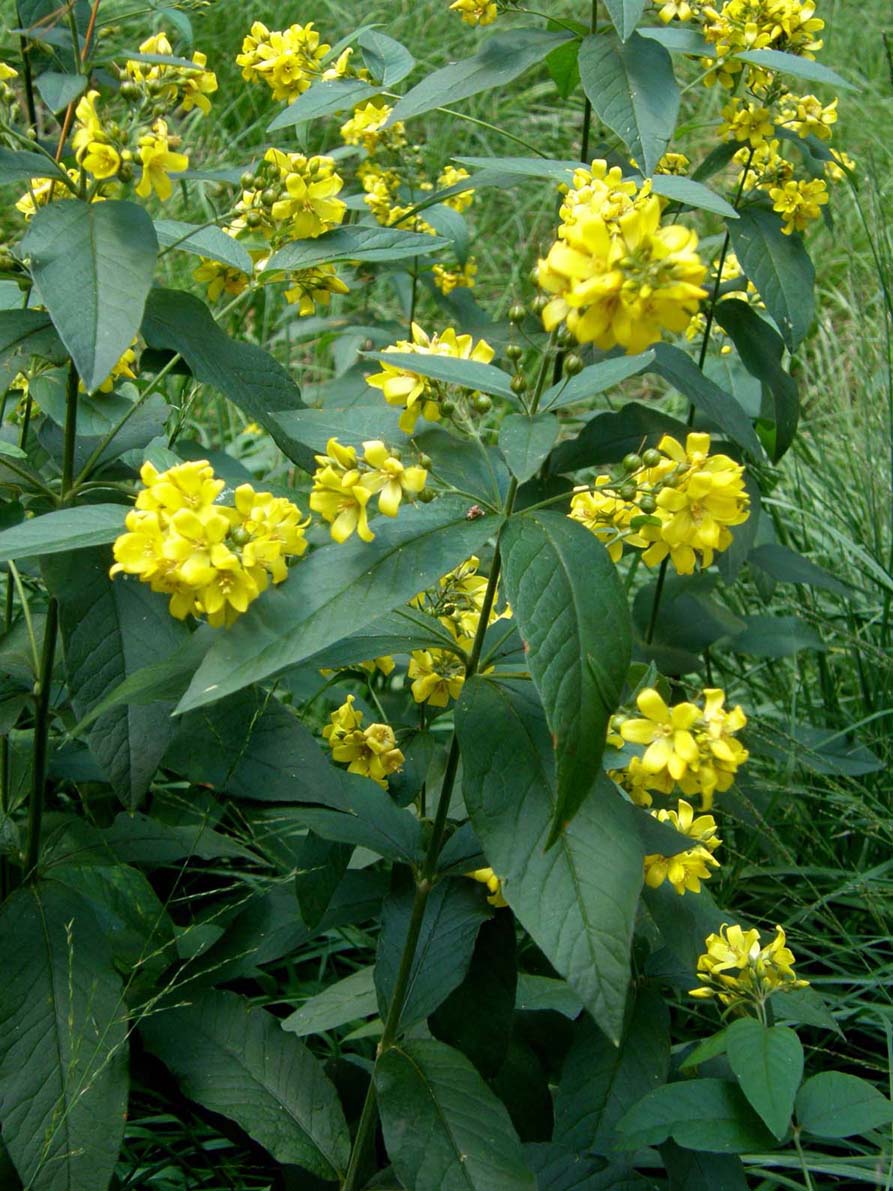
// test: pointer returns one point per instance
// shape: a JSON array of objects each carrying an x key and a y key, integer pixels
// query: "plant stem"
[
  {"x": 71, "y": 415},
  {"x": 655, "y": 604},
  {"x": 587, "y": 107}
]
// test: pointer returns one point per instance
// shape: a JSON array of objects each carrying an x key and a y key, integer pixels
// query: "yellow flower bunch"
[
  {"x": 438, "y": 676},
  {"x": 312, "y": 289},
  {"x": 220, "y": 278},
  {"x": 448, "y": 279},
  {"x": 616, "y": 275},
  {"x": 47, "y": 190},
  {"x": 212, "y": 560},
  {"x": 158, "y": 160},
  {"x": 288, "y": 60},
  {"x": 487, "y": 877},
  {"x": 679, "y": 10},
  {"x": 786, "y": 25},
  {"x": 371, "y": 751},
  {"x": 741, "y": 972},
  {"x": 344, "y": 484},
  {"x": 675, "y": 502},
  {"x": 366, "y": 127},
  {"x": 458, "y": 601},
  {"x": 93, "y": 147},
  {"x": 686, "y": 870},
  {"x": 688, "y": 746},
  {"x": 293, "y": 198},
  {"x": 419, "y": 395},
  {"x": 167, "y": 85}
]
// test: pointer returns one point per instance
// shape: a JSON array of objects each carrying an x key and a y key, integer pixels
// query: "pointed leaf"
[
  {"x": 58, "y": 90},
  {"x": 235, "y": 1060},
  {"x": 578, "y": 900},
  {"x": 595, "y": 379},
  {"x": 787, "y": 566},
  {"x": 454, "y": 912},
  {"x": 683, "y": 374},
  {"x": 633, "y": 90},
  {"x": 698, "y": 1114},
  {"x": 525, "y": 442},
  {"x": 323, "y": 98},
  {"x": 92, "y": 265},
  {"x": 803, "y": 68},
  {"x": 345, "y": 1001},
  {"x": 211, "y": 242},
  {"x": 573, "y": 616},
  {"x": 452, "y": 370},
  {"x": 387, "y": 60},
  {"x": 498, "y": 61},
  {"x": 338, "y": 587},
  {"x": 63, "y": 1042},
  {"x": 376, "y": 245},
  {"x": 768, "y": 1064},
  {"x": 64, "y": 529},
  {"x": 608, "y": 436},
  {"x": 780, "y": 268},
  {"x": 625, "y": 15},
  {"x": 21, "y": 165},
  {"x": 443, "y": 1128},
  {"x": 834, "y": 1104}
]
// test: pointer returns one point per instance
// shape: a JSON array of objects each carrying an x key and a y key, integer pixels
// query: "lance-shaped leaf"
[
  {"x": 377, "y": 245},
  {"x": 633, "y": 90},
  {"x": 323, "y": 98},
  {"x": 443, "y": 1127},
  {"x": 768, "y": 1064},
  {"x": 211, "y": 241},
  {"x": 338, "y": 588},
  {"x": 624, "y": 15},
  {"x": 683, "y": 374},
  {"x": 92, "y": 265},
  {"x": 21, "y": 165},
  {"x": 344, "y": 1001},
  {"x": 235, "y": 1060},
  {"x": 110, "y": 630},
  {"x": 64, "y": 529},
  {"x": 698, "y": 1114},
  {"x": 526, "y": 441},
  {"x": 63, "y": 1042},
  {"x": 498, "y": 61},
  {"x": 578, "y": 900},
  {"x": 595, "y": 379},
  {"x": 452, "y": 370},
  {"x": 573, "y": 616},
  {"x": 780, "y": 268}
]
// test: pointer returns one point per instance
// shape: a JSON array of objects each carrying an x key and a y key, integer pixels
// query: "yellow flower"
[
  {"x": 338, "y": 494},
  {"x": 197, "y": 84},
  {"x": 799, "y": 203},
  {"x": 746, "y": 121},
  {"x": 450, "y": 175},
  {"x": 124, "y": 367},
  {"x": 720, "y": 755},
  {"x": 686, "y": 870},
  {"x": 7, "y": 72},
  {"x": 305, "y": 205},
  {"x": 220, "y": 278},
  {"x": 605, "y": 513},
  {"x": 419, "y": 395},
  {"x": 639, "y": 783},
  {"x": 475, "y": 12},
  {"x": 158, "y": 160},
  {"x": 487, "y": 877},
  {"x": 366, "y": 127},
  {"x": 438, "y": 676},
  {"x": 389, "y": 478},
  {"x": 46, "y": 190},
  {"x": 673, "y": 163},
  {"x": 288, "y": 61},
  {"x": 667, "y": 733},
  {"x": 680, "y": 9},
  {"x": 742, "y": 973},
  {"x": 312, "y": 288},
  {"x": 462, "y": 276},
  {"x": 371, "y": 752}
]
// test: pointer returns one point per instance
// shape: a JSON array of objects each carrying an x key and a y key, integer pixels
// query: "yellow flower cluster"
[
  {"x": 686, "y": 745},
  {"x": 741, "y": 972},
  {"x": 344, "y": 484},
  {"x": 419, "y": 395},
  {"x": 438, "y": 676},
  {"x": 487, "y": 877},
  {"x": 288, "y": 60},
  {"x": 162, "y": 83},
  {"x": 294, "y": 198},
  {"x": 371, "y": 751},
  {"x": 123, "y": 369},
  {"x": 676, "y": 502},
  {"x": 48, "y": 190},
  {"x": 366, "y": 127},
  {"x": 787, "y": 25},
  {"x": 462, "y": 276},
  {"x": 617, "y": 276},
  {"x": 686, "y": 870},
  {"x": 212, "y": 560},
  {"x": 475, "y": 12}
]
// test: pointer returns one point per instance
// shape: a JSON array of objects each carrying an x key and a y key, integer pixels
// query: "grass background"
[{"x": 813, "y": 850}]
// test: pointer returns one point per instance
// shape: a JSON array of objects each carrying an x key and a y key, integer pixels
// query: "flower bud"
[
  {"x": 651, "y": 457},
  {"x": 632, "y": 461},
  {"x": 517, "y": 313},
  {"x": 573, "y": 365},
  {"x": 515, "y": 351},
  {"x": 482, "y": 404},
  {"x": 518, "y": 383}
]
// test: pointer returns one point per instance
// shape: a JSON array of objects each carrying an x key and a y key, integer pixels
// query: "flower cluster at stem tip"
[
  {"x": 213, "y": 560},
  {"x": 741, "y": 972},
  {"x": 672, "y": 502},
  {"x": 344, "y": 484},
  {"x": 371, "y": 751}
]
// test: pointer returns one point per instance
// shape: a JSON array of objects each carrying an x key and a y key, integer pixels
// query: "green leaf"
[
  {"x": 607, "y": 437},
  {"x": 679, "y": 39},
  {"x": 562, "y": 66},
  {"x": 633, "y": 90},
  {"x": 323, "y": 98},
  {"x": 338, "y": 587},
  {"x": 443, "y": 1127},
  {"x": 787, "y": 566},
  {"x": 698, "y": 1114},
  {"x": 625, "y": 15},
  {"x": 578, "y": 900},
  {"x": 477, "y": 1017},
  {"x": 352, "y": 425},
  {"x": 560, "y": 1169},
  {"x": 803, "y": 68},
  {"x": 452, "y": 370},
  {"x": 235, "y": 1060},
  {"x": 525, "y": 167},
  {"x": 768, "y": 1064},
  {"x": 595, "y": 379},
  {"x": 20, "y": 165},
  {"x": 375, "y": 245},
  {"x": 320, "y": 865},
  {"x": 526, "y": 441},
  {"x": 58, "y": 90},
  {"x": 387, "y": 60},
  {"x": 539, "y": 993},
  {"x": 600, "y": 1081},
  {"x": 710, "y": 1048},
  {"x": 92, "y": 265},
  {"x": 805, "y": 1007},
  {"x": 727, "y": 415},
  {"x": 465, "y": 463},
  {"x": 62, "y": 530},
  {"x": 63, "y": 1047},
  {"x": 454, "y": 912},
  {"x": 372, "y": 819},
  {"x": 761, "y": 350},
  {"x": 345, "y": 1001},
  {"x": 691, "y": 194},
  {"x": 498, "y": 62},
  {"x": 767, "y": 636},
  {"x": 211, "y": 242},
  {"x": 780, "y": 268},
  {"x": 833, "y": 1104},
  {"x": 111, "y": 629},
  {"x": 27, "y": 333},
  {"x": 573, "y": 617},
  {"x": 690, "y": 1171},
  {"x": 250, "y": 377}
]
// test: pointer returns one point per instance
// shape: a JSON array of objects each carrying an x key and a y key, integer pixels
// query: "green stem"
[
  {"x": 655, "y": 604},
  {"x": 587, "y": 107},
  {"x": 42, "y": 692},
  {"x": 71, "y": 416}
]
